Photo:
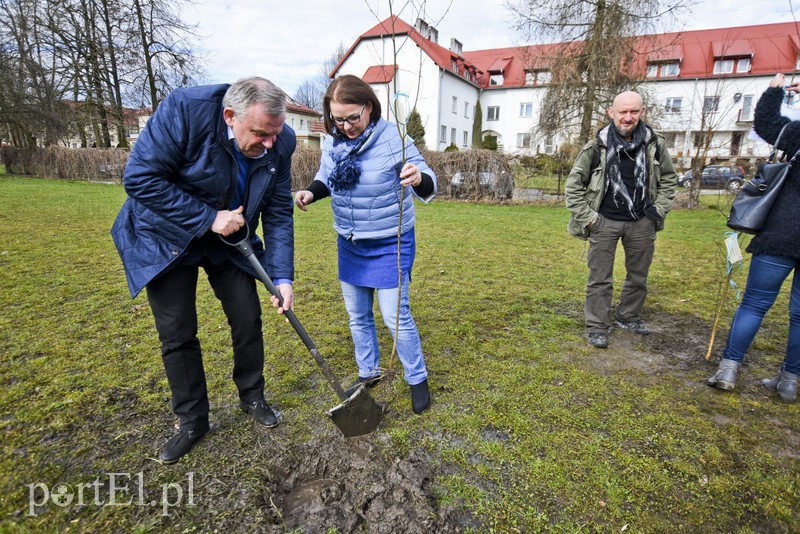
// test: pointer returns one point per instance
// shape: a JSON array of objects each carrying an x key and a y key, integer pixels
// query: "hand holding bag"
[{"x": 752, "y": 205}]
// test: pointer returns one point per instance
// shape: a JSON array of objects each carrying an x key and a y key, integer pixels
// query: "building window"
[
  {"x": 302, "y": 124},
  {"x": 452, "y": 136},
  {"x": 652, "y": 70},
  {"x": 443, "y": 134},
  {"x": 746, "y": 114},
  {"x": 493, "y": 113},
  {"x": 466, "y": 138},
  {"x": 743, "y": 65},
  {"x": 736, "y": 142},
  {"x": 537, "y": 77},
  {"x": 673, "y": 105},
  {"x": 455, "y": 104},
  {"x": 700, "y": 138},
  {"x": 548, "y": 145},
  {"x": 543, "y": 77},
  {"x": 723, "y": 66},
  {"x": 524, "y": 140},
  {"x": 526, "y": 109},
  {"x": 454, "y": 65},
  {"x": 710, "y": 104},
  {"x": 466, "y": 110},
  {"x": 670, "y": 69},
  {"x": 495, "y": 79}
]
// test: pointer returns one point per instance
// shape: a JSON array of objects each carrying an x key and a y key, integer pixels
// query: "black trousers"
[{"x": 172, "y": 298}]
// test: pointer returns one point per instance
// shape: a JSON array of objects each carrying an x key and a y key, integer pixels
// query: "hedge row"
[{"x": 470, "y": 174}]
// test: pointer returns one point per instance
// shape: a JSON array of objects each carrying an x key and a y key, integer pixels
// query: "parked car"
[
  {"x": 685, "y": 179},
  {"x": 499, "y": 186},
  {"x": 730, "y": 177}
]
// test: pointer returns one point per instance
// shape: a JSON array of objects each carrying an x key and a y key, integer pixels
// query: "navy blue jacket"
[{"x": 181, "y": 172}]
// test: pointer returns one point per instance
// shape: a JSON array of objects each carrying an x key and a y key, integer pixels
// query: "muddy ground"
[{"x": 350, "y": 485}]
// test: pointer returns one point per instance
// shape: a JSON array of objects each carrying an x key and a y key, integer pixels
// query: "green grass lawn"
[{"x": 531, "y": 429}]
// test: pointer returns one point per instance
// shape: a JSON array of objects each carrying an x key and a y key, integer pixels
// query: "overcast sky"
[{"x": 288, "y": 41}]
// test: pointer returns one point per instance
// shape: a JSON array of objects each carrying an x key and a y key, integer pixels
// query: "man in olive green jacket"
[{"x": 621, "y": 186}]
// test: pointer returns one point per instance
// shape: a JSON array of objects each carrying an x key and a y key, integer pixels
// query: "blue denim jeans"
[
  {"x": 359, "y": 301},
  {"x": 764, "y": 282}
]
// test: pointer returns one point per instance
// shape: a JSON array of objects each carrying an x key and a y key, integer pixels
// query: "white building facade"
[{"x": 700, "y": 81}]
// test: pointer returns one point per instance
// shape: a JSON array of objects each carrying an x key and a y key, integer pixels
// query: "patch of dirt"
[{"x": 346, "y": 484}]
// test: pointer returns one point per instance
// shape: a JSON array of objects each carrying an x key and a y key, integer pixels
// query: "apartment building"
[{"x": 699, "y": 85}]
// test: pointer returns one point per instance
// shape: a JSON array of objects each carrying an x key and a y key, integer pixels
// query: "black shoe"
[
  {"x": 260, "y": 412},
  {"x": 369, "y": 382},
  {"x": 420, "y": 397},
  {"x": 179, "y": 444},
  {"x": 637, "y": 327},
  {"x": 599, "y": 340}
]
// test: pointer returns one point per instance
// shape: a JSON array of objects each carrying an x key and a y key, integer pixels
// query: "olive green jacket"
[{"x": 586, "y": 187}]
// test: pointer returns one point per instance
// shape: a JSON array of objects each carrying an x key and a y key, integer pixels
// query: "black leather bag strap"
[{"x": 775, "y": 145}]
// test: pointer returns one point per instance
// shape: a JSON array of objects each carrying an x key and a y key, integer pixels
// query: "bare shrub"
[
  {"x": 484, "y": 174},
  {"x": 305, "y": 163},
  {"x": 66, "y": 163},
  {"x": 479, "y": 173}
]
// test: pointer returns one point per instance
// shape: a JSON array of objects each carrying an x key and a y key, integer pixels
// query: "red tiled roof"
[
  {"x": 739, "y": 47},
  {"x": 772, "y": 47},
  {"x": 296, "y": 107},
  {"x": 666, "y": 53},
  {"x": 380, "y": 74},
  {"x": 499, "y": 65},
  {"x": 395, "y": 25}
]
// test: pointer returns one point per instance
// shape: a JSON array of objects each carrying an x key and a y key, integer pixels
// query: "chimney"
[
  {"x": 455, "y": 46},
  {"x": 426, "y": 30}
]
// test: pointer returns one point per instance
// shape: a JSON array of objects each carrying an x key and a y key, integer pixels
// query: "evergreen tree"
[
  {"x": 477, "y": 126},
  {"x": 415, "y": 128}
]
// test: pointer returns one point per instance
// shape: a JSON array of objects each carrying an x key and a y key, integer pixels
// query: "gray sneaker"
[
  {"x": 637, "y": 327},
  {"x": 596, "y": 339}
]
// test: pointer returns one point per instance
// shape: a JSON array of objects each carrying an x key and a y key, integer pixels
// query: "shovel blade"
[{"x": 358, "y": 415}]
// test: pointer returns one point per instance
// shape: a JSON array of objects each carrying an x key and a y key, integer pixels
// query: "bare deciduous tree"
[
  {"x": 591, "y": 62},
  {"x": 69, "y": 66}
]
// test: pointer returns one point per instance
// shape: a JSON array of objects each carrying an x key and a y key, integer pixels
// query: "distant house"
[
  {"x": 306, "y": 124},
  {"x": 304, "y": 121},
  {"x": 694, "y": 82}
]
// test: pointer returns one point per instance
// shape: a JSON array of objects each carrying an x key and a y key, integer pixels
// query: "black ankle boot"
[{"x": 420, "y": 397}]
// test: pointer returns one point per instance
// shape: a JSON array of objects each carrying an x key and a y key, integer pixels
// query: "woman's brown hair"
[{"x": 349, "y": 89}]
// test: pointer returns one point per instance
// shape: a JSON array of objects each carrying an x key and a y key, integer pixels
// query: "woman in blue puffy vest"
[{"x": 363, "y": 171}]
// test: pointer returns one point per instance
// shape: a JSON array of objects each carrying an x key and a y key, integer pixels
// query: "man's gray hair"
[{"x": 254, "y": 91}]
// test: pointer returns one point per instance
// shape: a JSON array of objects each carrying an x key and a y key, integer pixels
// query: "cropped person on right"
[{"x": 776, "y": 253}]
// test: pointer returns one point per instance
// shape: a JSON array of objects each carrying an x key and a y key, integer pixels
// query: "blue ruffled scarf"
[{"x": 347, "y": 168}]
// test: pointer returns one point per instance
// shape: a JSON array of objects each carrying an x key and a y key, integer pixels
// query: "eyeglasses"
[{"x": 352, "y": 119}]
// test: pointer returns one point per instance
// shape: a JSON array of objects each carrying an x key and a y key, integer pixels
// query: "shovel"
[{"x": 358, "y": 414}]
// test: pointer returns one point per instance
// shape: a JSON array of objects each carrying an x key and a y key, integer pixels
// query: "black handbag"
[{"x": 752, "y": 205}]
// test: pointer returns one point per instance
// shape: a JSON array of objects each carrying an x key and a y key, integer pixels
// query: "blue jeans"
[
  {"x": 359, "y": 300},
  {"x": 764, "y": 282}
]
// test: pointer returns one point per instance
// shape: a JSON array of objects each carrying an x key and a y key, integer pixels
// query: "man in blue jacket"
[{"x": 211, "y": 160}]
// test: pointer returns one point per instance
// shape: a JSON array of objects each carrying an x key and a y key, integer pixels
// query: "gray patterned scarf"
[{"x": 616, "y": 147}]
